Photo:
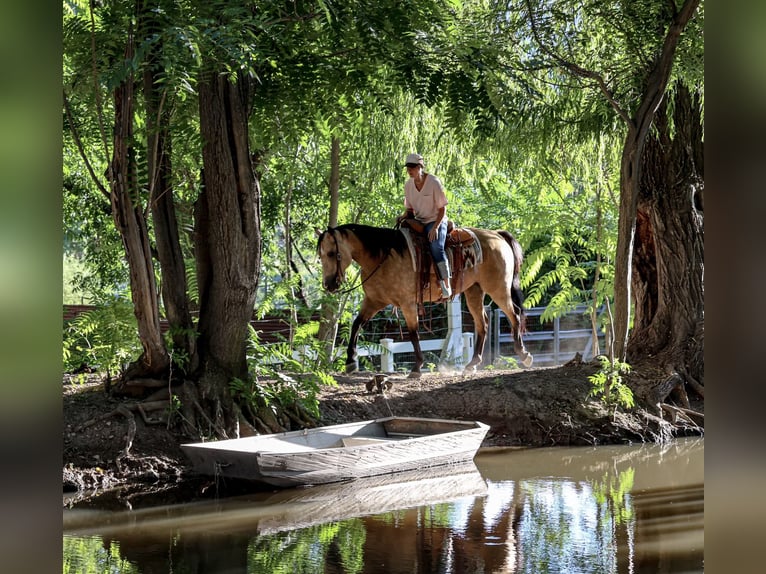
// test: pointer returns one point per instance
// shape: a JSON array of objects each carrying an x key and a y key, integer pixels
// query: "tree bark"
[
  {"x": 131, "y": 223},
  {"x": 668, "y": 263},
  {"x": 228, "y": 242}
]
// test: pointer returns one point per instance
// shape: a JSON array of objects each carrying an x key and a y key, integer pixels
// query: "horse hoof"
[
  {"x": 352, "y": 367},
  {"x": 414, "y": 375},
  {"x": 527, "y": 362},
  {"x": 471, "y": 366}
]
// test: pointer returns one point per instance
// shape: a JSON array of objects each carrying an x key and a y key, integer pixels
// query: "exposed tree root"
[
  {"x": 665, "y": 430},
  {"x": 684, "y": 414},
  {"x": 126, "y": 411},
  {"x": 693, "y": 383},
  {"x": 150, "y": 468}
]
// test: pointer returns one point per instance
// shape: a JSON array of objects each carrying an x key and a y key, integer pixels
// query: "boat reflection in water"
[{"x": 593, "y": 510}]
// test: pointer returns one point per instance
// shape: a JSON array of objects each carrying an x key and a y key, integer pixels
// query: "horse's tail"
[{"x": 516, "y": 295}]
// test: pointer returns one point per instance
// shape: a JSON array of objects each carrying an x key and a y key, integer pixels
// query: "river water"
[{"x": 607, "y": 509}]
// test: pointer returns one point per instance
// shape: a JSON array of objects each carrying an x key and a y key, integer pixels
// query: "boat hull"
[{"x": 340, "y": 452}]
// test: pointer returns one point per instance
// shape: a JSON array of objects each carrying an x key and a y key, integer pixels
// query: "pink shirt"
[{"x": 425, "y": 203}]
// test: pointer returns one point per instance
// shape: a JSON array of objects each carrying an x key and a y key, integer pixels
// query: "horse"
[{"x": 388, "y": 278}]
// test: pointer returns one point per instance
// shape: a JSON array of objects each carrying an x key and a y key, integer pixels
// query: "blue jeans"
[{"x": 437, "y": 246}]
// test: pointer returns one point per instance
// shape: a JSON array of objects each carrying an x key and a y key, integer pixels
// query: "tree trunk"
[
  {"x": 630, "y": 176},
  {"x": 169, "y": 253},
  {"x": 228, "y": 243},
  {"x": 130, "y": 222},
  {"x": 625, "y": 242},
  {"x": 668, "y": 260},
  {"x": 330, "y": 309}
]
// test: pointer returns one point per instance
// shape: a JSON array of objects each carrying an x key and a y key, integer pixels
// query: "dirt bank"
[{"x": 529, "y": 407}]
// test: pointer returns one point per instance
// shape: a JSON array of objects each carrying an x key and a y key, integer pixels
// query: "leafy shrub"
[
  {"x": 608, "y": 384},
  {"x": 104, "y": 338},
  {"x": 272, "y": 361}
]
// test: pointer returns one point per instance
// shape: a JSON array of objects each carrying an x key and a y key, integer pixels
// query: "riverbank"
[{"x": 107, "y": 445}]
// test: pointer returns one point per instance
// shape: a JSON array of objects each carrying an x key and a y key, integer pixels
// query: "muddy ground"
[{"x": 524, "y": 407}]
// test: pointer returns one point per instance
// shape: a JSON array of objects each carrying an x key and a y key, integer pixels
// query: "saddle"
[{"x": 461, "y": 247}]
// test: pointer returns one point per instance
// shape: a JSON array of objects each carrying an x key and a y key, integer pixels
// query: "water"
[{"x": 608, "y": 509}]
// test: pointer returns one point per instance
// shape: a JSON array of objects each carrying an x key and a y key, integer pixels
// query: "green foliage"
[
  {"x": 104, "y": 338},
  {"x": 179, "y": 357},
  {"x": 87, "y": 555},
  {"x": 73, "y": 267},
  {"x": 508, "y": 362},
  {"x": 612, "y": 495},
  {"x": 571, "y": 228},
  {"x": 607, "y": 383},
  {"x": 305, "y": 550},
  {"x": 270, "y": 362}
]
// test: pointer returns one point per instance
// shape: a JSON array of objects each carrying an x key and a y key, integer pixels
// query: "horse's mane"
[{"x": 378, "y": 241}]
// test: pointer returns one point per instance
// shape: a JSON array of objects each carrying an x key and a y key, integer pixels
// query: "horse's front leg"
[
  {"x": 365, "y": 314},
  {"x": 352, "y": 358},
  {"x": 474, "y": 299},
  {"x": 411, "y": 318}
]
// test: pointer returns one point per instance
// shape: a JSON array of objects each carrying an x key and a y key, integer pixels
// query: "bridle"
[{"x": 339, "y": 276}]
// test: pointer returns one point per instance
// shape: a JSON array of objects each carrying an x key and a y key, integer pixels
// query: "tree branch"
[
  {"x": 96, "y": 91},
  {"x": 659, "y": 75},
  {"x": 81, "y": 148},
  {"x": 578, "y": 70}
]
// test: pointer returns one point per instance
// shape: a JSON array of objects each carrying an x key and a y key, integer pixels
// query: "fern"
[
  {"x": 270, "y": 362},
  {"x": 104, "y": 338}
]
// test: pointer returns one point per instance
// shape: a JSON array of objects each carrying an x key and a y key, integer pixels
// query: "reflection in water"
[{"x": 616, "y": 509}]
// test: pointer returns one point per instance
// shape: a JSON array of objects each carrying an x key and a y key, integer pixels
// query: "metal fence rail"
[{"x": 552, "y": 346}]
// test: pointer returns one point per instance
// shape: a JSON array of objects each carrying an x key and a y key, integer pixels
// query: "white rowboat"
[{"x": 340, "y": 452}]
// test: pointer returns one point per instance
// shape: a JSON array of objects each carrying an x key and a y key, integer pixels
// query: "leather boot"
[{"x": 444, "y": 277}]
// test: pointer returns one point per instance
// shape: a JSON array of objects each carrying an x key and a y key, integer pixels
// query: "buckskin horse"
[{"x": 389, "y": 277}]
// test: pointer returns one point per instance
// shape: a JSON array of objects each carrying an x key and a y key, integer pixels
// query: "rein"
[{"x": 338, "y": 272}]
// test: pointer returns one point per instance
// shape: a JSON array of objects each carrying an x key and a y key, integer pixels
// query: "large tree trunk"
[
  {"x": 630, "y": 171},
  {"x": 228, "y": 244},
  {"x": 131, "y": 223},
  {"x": 169, "y": 252},
  {"x": 668, "y": 260}
]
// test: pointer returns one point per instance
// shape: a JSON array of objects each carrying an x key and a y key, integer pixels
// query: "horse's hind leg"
[
  {"x": 474, "y": 299},
  {"x": 510, "y": 303},
  {"x": 366, "y": 313}
]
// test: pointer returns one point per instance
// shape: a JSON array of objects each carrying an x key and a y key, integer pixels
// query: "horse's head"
[{"x": 335, "y": 256}]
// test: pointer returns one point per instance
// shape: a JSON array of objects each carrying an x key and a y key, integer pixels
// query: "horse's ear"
[{"x": 317, "y": 232}]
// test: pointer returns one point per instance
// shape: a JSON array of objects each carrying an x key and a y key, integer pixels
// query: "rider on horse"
[{"x": 425, "y": 201}]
